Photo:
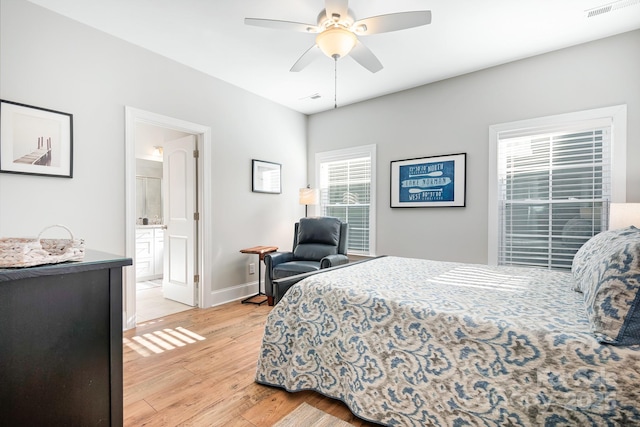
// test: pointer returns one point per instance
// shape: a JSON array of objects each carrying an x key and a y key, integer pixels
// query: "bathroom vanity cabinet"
[{"x": 149, "y": 252}]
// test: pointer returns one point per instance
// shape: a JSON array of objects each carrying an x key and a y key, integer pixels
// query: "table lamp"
[
  {"x": 622, "y": 215},
  {"x": 309, "y": 196}
]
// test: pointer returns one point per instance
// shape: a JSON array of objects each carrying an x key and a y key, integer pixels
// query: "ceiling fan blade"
[
  {"x": 336, "y": 7},
  {"x": 307, "y": 58},
  {"x": 281, "y": 25},
  {"x": 392, "y": 22},
  {"x": 363, "y": 56}
]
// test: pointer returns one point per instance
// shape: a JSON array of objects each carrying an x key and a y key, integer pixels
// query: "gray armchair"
[{"x": 317, "y": 243}]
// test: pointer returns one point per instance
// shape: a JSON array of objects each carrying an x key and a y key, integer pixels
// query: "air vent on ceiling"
[
  {"x": 596, "y": 11},
  {"x": 314, "y": 96}
]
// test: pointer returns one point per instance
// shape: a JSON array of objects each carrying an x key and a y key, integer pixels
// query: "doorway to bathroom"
[
  {"x": 164, "y": 215},
  {"x": 157, "y": 294}
]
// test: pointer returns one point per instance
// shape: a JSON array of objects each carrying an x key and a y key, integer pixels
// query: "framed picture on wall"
[
  {"x": 427, "y": 182},
  {"x": 35, "y": 141},
  {"x": 266, "y": 177}
]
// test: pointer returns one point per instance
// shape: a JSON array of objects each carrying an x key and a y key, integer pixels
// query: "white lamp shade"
[
  {"x": 336, "y": 42},
  {"x": 309, "y": 196},
  {"x": 622, "y": 215}
]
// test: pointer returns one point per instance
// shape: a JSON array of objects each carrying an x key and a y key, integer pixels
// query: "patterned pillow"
[
  {"x": 586, "y": 262},
  {"x": 581, "y": 267},
  {"x": 610, "y": 281}
]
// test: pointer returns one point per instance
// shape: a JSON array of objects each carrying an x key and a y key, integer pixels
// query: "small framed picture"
[
  {"x": 35, "y": 141},
  {"x": 427, "y": 182},
  {"x": 266, "y": 177}
]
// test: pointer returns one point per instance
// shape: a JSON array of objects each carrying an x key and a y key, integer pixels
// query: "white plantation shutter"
[
  {"x": 554, "y": 189},
  {"x": 345, "y": 182}
]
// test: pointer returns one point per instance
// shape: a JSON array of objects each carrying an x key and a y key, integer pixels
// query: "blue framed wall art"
[{"x": 437, "y": 181}]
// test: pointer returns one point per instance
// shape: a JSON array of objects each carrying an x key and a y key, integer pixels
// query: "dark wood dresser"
[{"x": 61, "y": 343}]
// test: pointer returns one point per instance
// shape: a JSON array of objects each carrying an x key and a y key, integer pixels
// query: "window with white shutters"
[
  {"x": 554, "y": 186},
  {"x": 345, "y": 180}
]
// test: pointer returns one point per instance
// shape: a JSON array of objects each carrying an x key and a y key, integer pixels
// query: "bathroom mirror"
[{"x": 149, "y": 199}]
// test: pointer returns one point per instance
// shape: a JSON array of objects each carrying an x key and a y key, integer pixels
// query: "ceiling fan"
[{"x": 337, "y": 32}]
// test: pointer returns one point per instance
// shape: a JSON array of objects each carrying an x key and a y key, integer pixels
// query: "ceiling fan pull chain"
[{"x": 335, "y": 83}]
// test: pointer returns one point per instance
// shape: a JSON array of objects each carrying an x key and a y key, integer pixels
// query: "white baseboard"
[{"x": 233, "y": 293}]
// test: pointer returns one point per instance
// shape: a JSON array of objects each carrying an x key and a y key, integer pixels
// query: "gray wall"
[
  {"x": 50, "y": 61},
  {"x": 454, "y": 115}
]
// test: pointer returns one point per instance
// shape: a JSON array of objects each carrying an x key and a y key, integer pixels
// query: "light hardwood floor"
[
  {"x": 207, "y": 378},
  {"x": 151, "y": 303}
]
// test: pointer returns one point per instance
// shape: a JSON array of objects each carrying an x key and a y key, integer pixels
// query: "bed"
[{"x": 411, "y": 342}]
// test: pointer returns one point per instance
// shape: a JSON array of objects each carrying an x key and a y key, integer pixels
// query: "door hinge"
[
  {"x": 196, "y": 278},
  {"x": 196, "y": 216},
  {"x": 196, "y": 154}
]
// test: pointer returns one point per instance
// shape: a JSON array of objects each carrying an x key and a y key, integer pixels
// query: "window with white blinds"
[
  {"x": 554, "y": 194},
  {"x": 345, "y": 179},
  {"x": 554, "y": 186}
]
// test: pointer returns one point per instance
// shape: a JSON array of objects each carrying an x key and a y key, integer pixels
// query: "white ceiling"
[{"x": 464, "y": 36}]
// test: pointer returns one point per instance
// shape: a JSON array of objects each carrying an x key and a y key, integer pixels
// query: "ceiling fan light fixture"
[
  {"x": 336, "y": 42},
  {"x": 361, "y": 29}
]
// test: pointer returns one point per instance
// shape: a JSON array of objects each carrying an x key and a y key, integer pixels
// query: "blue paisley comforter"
[{"x": 417, "y": 343}]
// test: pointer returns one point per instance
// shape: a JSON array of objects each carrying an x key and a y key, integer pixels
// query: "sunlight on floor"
[{"x": 161, "y": 340}]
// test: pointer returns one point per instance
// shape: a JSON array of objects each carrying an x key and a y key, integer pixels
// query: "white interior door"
[{"x": 179, "y": 174}]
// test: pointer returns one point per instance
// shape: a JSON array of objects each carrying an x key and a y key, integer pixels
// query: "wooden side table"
[{"x": 261, "y": 251}]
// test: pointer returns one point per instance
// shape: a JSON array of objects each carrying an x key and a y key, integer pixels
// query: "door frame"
[{"x": 204, "y": 179}]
